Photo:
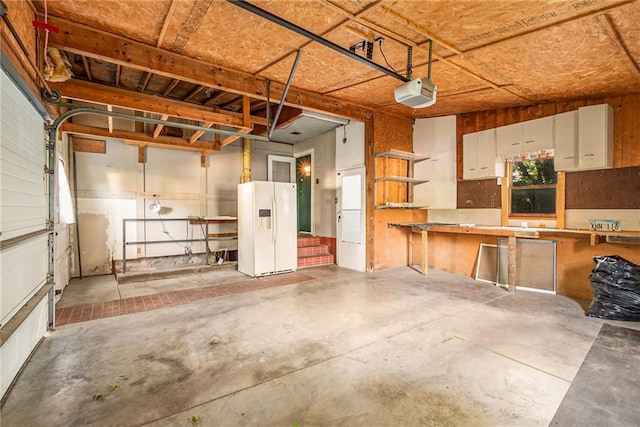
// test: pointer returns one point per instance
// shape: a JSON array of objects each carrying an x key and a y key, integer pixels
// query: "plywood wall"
[
  {"x": 391, "y": 246},
  {"x": 626, "y": 122}
]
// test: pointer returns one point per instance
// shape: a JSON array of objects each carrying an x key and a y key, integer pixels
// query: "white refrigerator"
[{"x": 267, "y": 228}]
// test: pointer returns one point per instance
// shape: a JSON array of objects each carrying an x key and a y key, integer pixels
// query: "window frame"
[{"x": 531, "y": 215}]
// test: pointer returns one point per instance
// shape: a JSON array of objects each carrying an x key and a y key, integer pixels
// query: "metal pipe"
[
  {"x": 77, "y": 111},
  {"x": 124, "y": 246},
  {"x": 75, "y": 195},
  {"x": 284, "y": 93},
  {"x": 293, "y": 27},
  {"x": 174, "y": 241},
  {"x": 52, "y": 169},
  {"x": 206, "y": 242}
]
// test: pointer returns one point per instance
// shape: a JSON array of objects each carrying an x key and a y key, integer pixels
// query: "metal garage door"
[{"x": 23, "y": 227}]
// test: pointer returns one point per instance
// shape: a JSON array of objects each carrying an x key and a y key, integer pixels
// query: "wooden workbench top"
[{"x": 626, "y": 237}]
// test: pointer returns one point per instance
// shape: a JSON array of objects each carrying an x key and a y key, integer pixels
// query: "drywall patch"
[{"x": 94, "y": 244}]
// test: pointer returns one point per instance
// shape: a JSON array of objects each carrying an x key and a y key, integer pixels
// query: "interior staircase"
[{"x": 312, "y": 253}]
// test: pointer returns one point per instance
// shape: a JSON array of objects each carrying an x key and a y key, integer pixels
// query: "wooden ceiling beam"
[
  {"x": 140, "y": 138},
  {"x": 145, "y": 81},
  {"x": 246, "y": 119},
  {"x": 197, "y": 134},
  {"x": 194, "y": 93},
  {"x": 607, "y": 24},
  {"x": 213, "y": 100},
  {"x": 370, "y": 37},
  {"x": 171, "y": 86},
  {"x": 110, "y": 119},
  {"x": 83, "y": 40},
  {"x": 93, "y": 92},
  {"x": 158, "y": 128},
  {"x": 165, "y": 23},
  {"x": 87, "y": 70}
]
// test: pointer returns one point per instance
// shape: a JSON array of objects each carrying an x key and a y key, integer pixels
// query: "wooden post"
[
  {"x": 141, "y": 154},
  {"x": 425, "y": 253},
  {"x": 512, "y": 266},
  {"x": 560, "y": 200}
]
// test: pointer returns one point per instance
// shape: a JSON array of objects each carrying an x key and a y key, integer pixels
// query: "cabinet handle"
[
  {"x": 472, "y": 169},
  {"x": 572, "y": 157},
  {"x": 515, "y": 143},
  {"x": 588, "y": 155},
  {"x": 484, "y": 167},
  {"x": 530, "y": 141}
]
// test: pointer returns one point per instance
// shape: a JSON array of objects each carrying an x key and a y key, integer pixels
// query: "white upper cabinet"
[
  {"x": 566, "y": 141},
  {"x": 436, "y": 139},
  {"x": 584, "y": 139},
  {"x": 479, "y": 155},
  {"x": 537, "y": 134},
  {"x": 525, "y": 137},
  {"x": 595, "y": 137},
  {"x": 509, "y": 140}
]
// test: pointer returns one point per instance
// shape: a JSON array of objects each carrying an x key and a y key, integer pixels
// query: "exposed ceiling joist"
[
  {"x": 158, "y": 129},
  {"x": 165, "y": 23},
  {"x": 82, "y": 40},
  {"x": 145, "y": 81},
  {"x": 197, "y": 134},
  {"x": 110, "y": 119},
  {"x": 140, "y": 138},
  {"x": 194, "y": 93},
  {"x": 171, "y": 86},
  {"x": 85, "y": 64},
  {"x": 93, "y": 92},
  {"x": 246, "y": 118}
]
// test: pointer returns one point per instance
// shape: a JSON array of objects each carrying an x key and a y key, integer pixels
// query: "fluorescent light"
[{"x": 325, "y": 117}]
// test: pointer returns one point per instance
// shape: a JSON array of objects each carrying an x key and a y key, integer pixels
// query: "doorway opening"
[{"x": 304, "y": 171}]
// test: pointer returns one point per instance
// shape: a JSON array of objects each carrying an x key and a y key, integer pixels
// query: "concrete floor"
[{"x": 385, "y": 348}]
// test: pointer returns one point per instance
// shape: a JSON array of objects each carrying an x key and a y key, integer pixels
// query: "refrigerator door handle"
[{"x": 274, "y": 220}]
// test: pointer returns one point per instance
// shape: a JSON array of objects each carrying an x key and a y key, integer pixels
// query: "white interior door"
[
  {"x": 350, "y": 216},
  {"x": 281, "y": 168}
]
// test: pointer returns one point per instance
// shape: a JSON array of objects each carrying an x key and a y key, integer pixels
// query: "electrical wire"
[
  {"x": 384, "y": 56},
  {"x": 165, "y": 231}
]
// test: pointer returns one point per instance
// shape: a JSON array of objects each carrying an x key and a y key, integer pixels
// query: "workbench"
[{"x": 512, "y": 234}]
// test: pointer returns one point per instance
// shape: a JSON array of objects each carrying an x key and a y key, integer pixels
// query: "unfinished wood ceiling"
[{"x": 487, "y": 54}]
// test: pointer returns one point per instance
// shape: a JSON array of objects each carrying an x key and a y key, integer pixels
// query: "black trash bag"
[{"x": 616, "y": 283}]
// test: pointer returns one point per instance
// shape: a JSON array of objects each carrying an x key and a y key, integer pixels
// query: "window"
[{"x": 533, "y": 188}]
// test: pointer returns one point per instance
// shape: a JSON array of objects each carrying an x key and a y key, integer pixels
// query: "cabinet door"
[
  {"x": 509, "y": 139},
  {"x": 595, "y": 137},
  {"x": 470, "y": 155},
  {"x": 566, "y": 141},
  {"x": 486, "y": 154},
  {"x": 537, "y": 134}
]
